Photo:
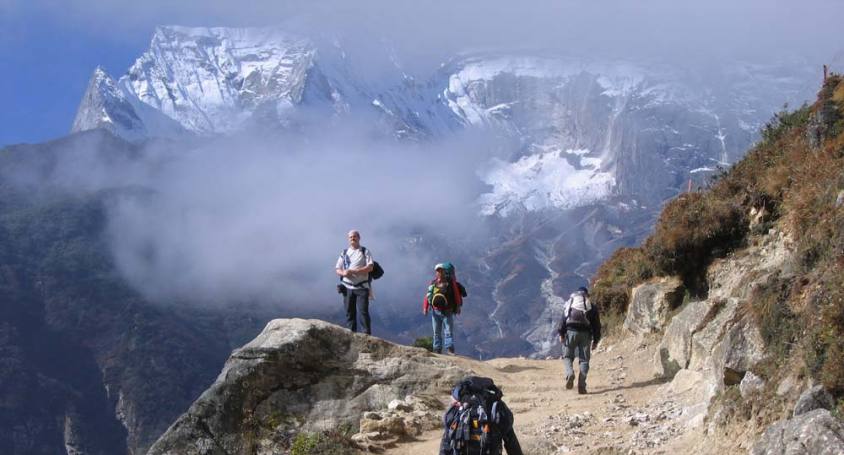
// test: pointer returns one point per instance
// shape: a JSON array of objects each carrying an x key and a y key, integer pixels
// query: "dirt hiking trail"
[{"x": 626, "y": 411}]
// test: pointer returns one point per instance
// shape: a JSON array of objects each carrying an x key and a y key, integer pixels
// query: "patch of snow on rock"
[{"x": 544, "y": 180}]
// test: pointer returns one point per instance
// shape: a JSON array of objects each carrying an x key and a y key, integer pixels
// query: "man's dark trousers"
[{"x": 357, "y": 300}]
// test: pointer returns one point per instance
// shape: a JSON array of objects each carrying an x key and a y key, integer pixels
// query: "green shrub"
[
  {"x": 784, "y": 122},
  {"x": 333, "y": 442},
  {"x": 424, "y": 342}
]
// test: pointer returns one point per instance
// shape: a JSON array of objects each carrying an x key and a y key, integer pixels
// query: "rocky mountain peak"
[
  {"x": 105, "y": 106},
  {"x": 212, "y": 79}
]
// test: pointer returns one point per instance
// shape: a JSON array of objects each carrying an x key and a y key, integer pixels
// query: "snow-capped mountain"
[
  {"x": 599, "y": 144},
  {"x": 200, "y": 80},
  {"x": 105, "y": 106}
]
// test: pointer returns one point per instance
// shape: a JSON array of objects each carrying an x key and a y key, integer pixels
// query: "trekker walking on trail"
[
  {"x": 353, "y": 267},
  {"x": 478, "y": 422},
  {"x": 444, "y": 299},
  {"x": 579, "y": 328}
]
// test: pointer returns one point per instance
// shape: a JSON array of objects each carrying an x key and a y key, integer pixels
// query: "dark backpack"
[
  {"x": 377, "y": 271},
  {"x": 478, "y": 424}
]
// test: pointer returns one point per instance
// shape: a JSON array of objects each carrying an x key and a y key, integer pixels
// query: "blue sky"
[
  {"x": 49, "y": 48},
  {"x": 45, "y": 68}
]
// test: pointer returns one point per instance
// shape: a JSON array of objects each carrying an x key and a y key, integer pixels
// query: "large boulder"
[
  {"x": 651, "y": 304},
  {"x": 675, "y": 349},
  {"x": 301, "y": 375},
  {"x": 720, "y": 315},
  {"x": 741, "y": 346},
  {"x": 816, "y": 432},
  {"x": 815, "y": 398}
]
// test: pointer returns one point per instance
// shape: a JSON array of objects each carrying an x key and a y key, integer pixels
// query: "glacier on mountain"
[{"x": 546, "y": 180}]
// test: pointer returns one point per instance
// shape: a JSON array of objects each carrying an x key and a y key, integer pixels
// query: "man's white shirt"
[{"x": 356, "y": 259}]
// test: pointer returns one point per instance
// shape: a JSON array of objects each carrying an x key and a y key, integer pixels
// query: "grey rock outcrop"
[
  {"x": 815, "y": 398},
  {"x": 717, "y": 337},
  {"x": 301, "y": 375},
  {"x": 675, "y": 351},
  {"x": 817, "y": 432},
  {"x": 651, "y": 304},
  {"x": 750, "y": 384},
  {"x": 402, "y": 419}
]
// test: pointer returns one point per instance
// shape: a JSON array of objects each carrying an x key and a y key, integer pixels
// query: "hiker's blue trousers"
[
  {"x": 578, "y": 343},
  {"x": 443, "y": 322}
]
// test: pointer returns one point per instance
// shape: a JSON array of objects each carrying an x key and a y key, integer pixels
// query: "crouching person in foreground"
[{"x": 478, "y": 422}]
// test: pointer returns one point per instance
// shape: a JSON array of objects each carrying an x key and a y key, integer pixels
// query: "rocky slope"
[{"x": 303, "y": 375}]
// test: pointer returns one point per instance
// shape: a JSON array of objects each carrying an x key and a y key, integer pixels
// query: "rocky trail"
[
  {"x": 625, "y": 411},
  {"x": 282, "y": 390}
]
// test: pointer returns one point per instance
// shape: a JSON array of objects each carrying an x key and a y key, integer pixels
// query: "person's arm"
[
  {"x": 561, "y": 329},
  {"x": 445, "y": 443},
  {"x": 340, "y": 269},
  {"x": 370, "y": 264},
  {"x": 595, "y": 324},
  {"x": 366, "y": 269},
  {"x": 511, "y": 443}
]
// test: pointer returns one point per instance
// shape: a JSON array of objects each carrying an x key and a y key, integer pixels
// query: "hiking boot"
[
  {"x": 570, "y": 382},
  {"x": 581, "y": 389},
  {"x": 438, "y": 351},
  {"x": 451, "y": 349}
]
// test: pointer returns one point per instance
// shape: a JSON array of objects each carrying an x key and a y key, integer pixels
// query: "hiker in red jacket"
[{"x": 444, "y": 298}]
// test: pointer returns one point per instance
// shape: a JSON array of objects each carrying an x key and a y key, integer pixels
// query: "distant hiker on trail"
[
  {"x": 353, "y": 267},
  {"x": 477, "y": 422},
  {"x": 579, "y": 327},
  {"x": 445, "y": 299}
]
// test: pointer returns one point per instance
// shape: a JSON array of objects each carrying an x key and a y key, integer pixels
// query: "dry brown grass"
[{"x": 616, "y": 277}]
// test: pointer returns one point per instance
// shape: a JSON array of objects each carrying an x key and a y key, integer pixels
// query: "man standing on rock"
[
  {"x": 579, "y": 328},
  {"x": 353, "y": 267}
]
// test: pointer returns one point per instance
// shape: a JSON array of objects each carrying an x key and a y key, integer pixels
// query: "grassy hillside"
[{"x": 793, "y": 179}]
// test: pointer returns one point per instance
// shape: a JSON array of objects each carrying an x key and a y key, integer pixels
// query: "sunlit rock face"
[{"x": 302, "y": 375}]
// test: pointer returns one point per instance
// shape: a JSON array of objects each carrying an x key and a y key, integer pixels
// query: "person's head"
[
  {"x": 583, "y": 290},
  {"x": 439, "y": 270},
  {"x": 354, "y": 239}
]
